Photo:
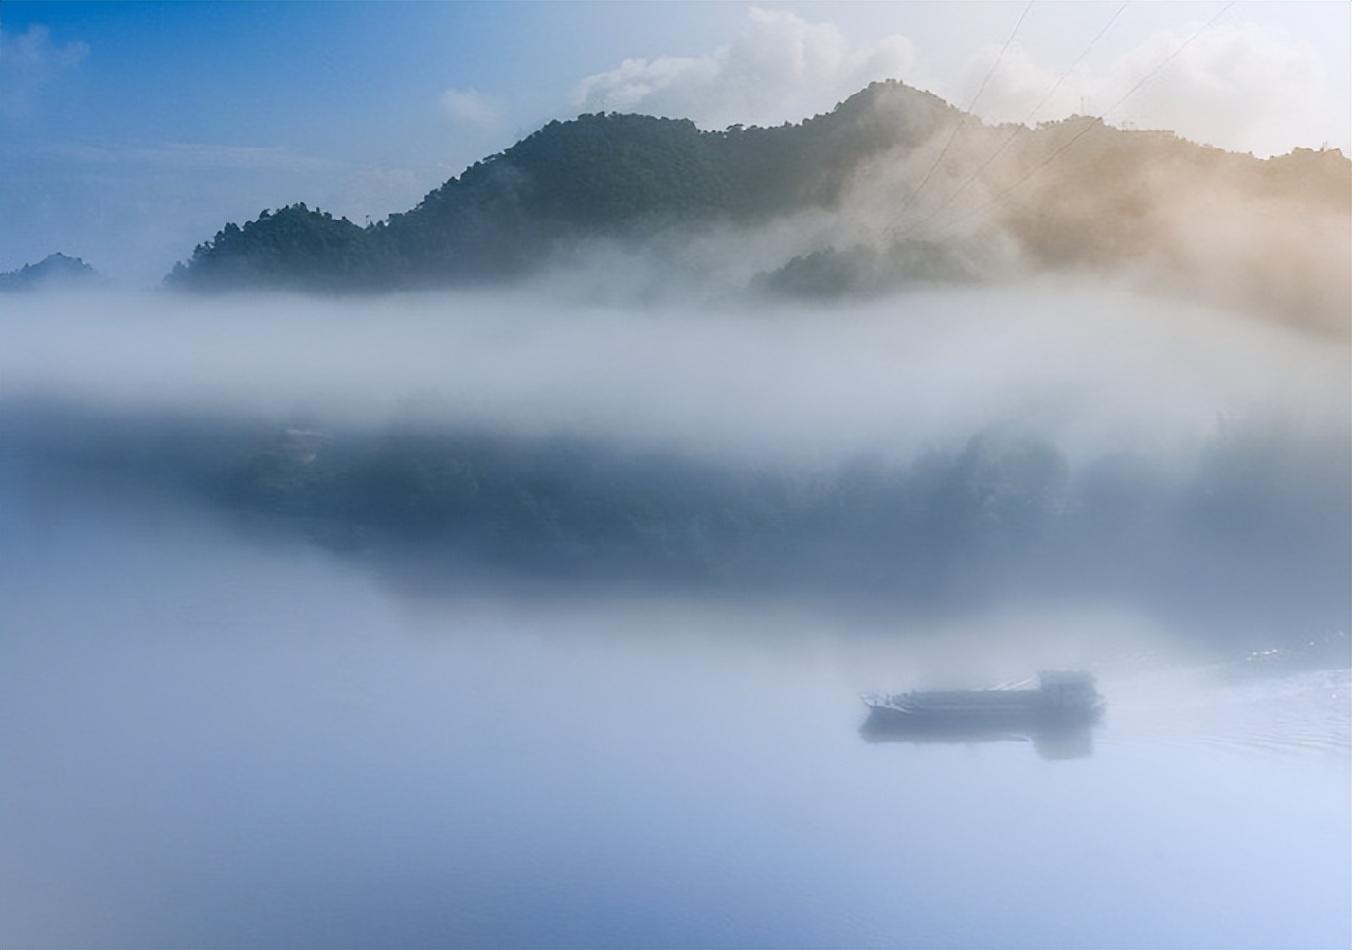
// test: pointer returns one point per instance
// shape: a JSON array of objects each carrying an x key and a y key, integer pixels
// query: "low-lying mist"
[
  {"x": 1093, "y": 370},
  {"x": 502, "y": 620},
  {"x": 296, "y": 757},
  {"x": 941, "y": 450}
]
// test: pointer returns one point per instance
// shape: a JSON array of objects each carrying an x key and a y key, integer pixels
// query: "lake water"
[{"x": 212, "y": 739}]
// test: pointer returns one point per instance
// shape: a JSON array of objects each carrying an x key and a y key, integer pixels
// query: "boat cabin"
[{"x": 1067, "y": 688}]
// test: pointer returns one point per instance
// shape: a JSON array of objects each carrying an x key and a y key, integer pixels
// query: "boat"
[{"x": 1061, "y": 697}]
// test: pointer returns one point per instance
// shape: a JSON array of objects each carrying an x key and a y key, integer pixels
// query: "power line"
[
  {"x": 1093, "y": 124},
  {"x": 1020, "y": 127},
  {"x": 915, "y": 192}
]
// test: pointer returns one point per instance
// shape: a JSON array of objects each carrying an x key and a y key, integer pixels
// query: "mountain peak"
[{"x": 56, "y": 270}]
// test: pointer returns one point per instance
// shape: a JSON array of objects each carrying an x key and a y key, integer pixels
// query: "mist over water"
[
  {"x": 217, "y": 739},
  {"x": 282, "y": 662},
  {"x": 1095, "y": 370},
  {"x": 874, "y": 476},
  {"x": 948, "y": 449}
]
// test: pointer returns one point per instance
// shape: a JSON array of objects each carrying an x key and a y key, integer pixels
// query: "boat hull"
[
  {"x": 1013, "y": 709},
  {"x": 1057, "y": 716}
]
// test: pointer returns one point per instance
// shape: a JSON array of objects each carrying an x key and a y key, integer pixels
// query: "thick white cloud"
[
  {"x": 470, "y": 107},
  {"x": 1018, "y": 86},
  {"x": 29, "y": 61},
  {"x": 778, "y": 68},
  {"x": 1237, "y": 86},
  {"x": 1093, "y": 369},
  {"x": 1240, "y": 85}
]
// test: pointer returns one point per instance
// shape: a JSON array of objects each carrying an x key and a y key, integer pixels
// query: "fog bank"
[
  {"x": 940, "y": 452},
  {"x": 1092, "y": 370}
]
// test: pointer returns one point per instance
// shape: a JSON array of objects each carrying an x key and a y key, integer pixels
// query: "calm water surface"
[{"x": 210, "y": 740}]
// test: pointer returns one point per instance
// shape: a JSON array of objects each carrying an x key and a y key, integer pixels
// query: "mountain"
[
  {"x": 892, "y": 186},
  {"x": 52, "y": 272},
  {"x": 594, "y": 176}
]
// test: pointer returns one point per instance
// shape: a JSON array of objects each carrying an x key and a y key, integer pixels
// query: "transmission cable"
[
  {"x": 1093, "y": 124},
  {"x": 915, "y": 192},
  {"x": 1019, "y": 128}
]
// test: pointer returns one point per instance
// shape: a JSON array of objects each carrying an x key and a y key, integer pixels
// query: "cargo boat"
[{"x": 1062, "y": 697}]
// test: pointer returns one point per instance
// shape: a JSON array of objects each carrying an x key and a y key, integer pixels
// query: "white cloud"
[
  {"x": 469, "y": 107},
  {"x": 1237, "y": 86},
  {"x": 779, "y": 68},
  {"x": 1019, "y": 85},
  {"x": 29, "y": 61}
]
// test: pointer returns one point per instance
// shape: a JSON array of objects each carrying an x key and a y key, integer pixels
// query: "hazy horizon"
[{"x": 899, "y": 528}]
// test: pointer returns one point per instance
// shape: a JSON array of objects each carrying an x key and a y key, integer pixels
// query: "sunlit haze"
[{"x": 812, "y": 475}]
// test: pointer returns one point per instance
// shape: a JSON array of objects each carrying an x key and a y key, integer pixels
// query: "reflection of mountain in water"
[{"x": 1051, "y": 740}]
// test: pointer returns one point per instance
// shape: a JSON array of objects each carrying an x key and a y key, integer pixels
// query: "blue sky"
[{"x": 128, "y": 132}]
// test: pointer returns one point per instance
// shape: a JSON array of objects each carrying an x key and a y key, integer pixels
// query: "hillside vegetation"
[{"x": 1075, "y": 195}]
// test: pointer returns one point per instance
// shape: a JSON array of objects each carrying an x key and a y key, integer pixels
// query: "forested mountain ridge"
[
  {"x": 596, "y": 175},
  {"x": 896, "y": 184},
  {"x": 53, "y": 271}
]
